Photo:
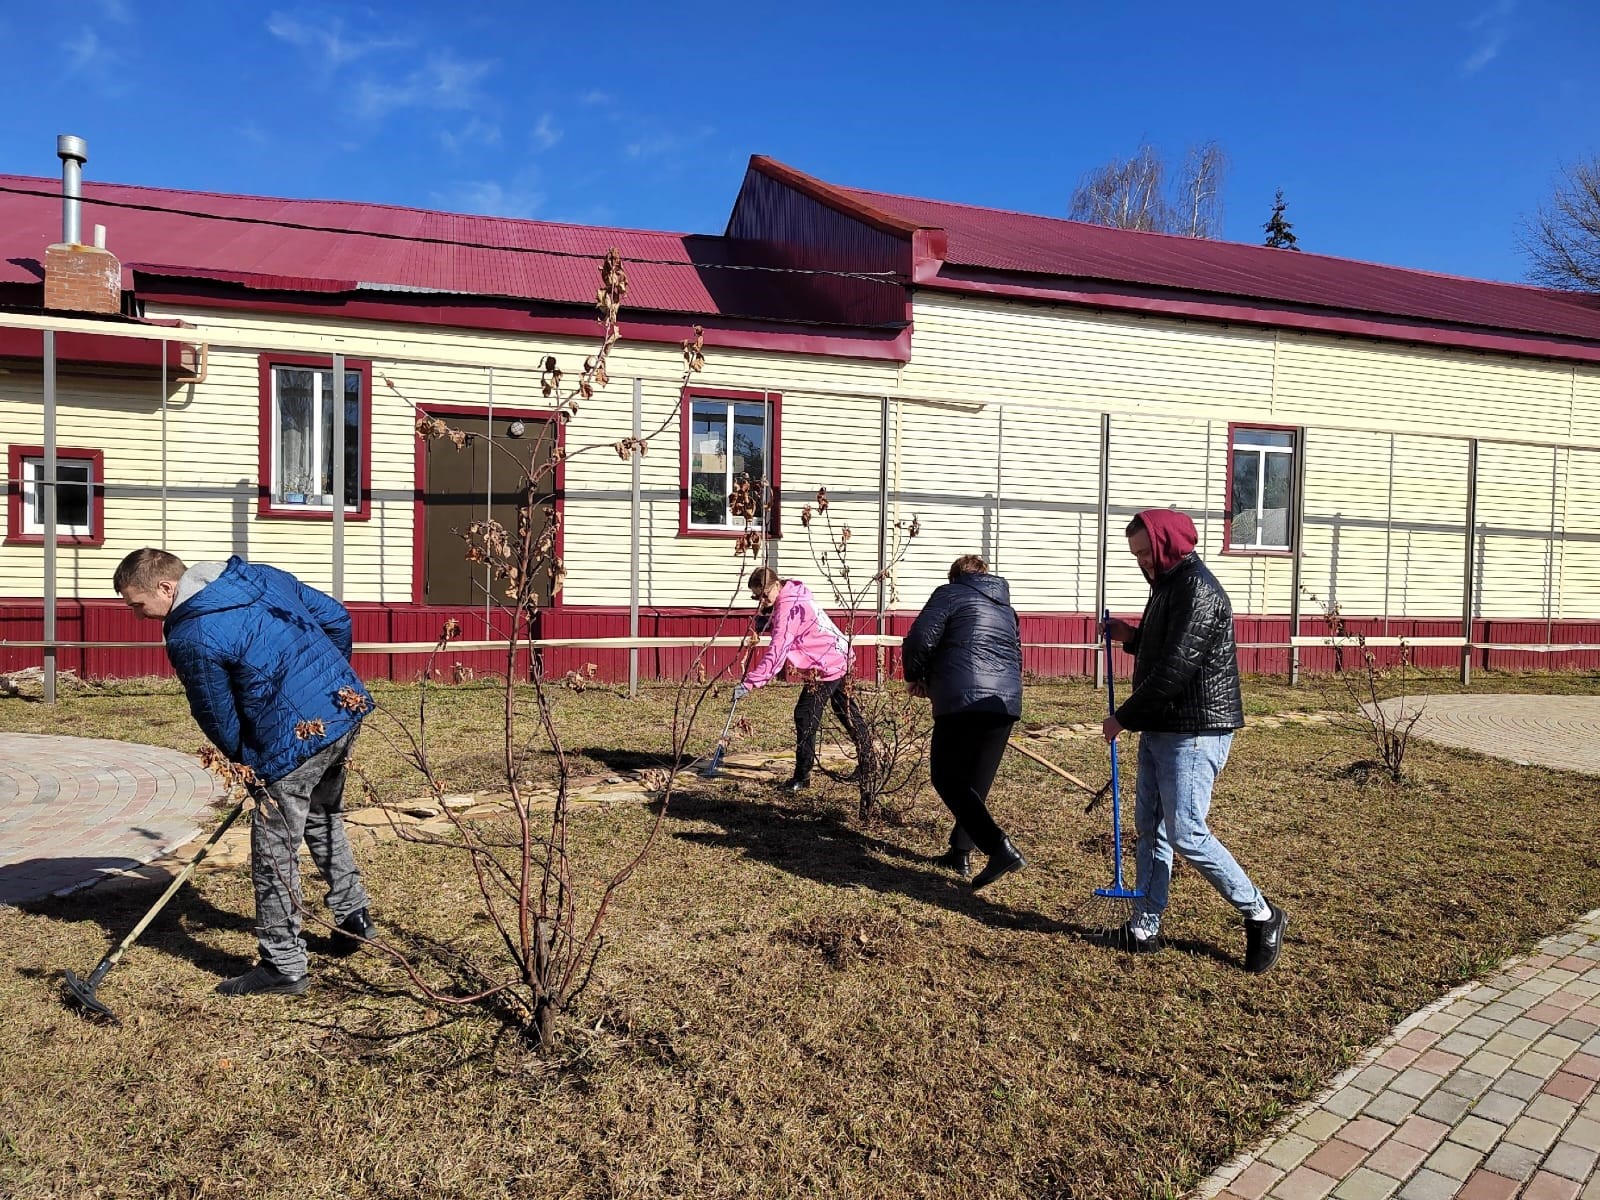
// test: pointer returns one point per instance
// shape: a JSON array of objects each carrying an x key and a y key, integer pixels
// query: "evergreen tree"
[{"x": 1280, "y": 233}]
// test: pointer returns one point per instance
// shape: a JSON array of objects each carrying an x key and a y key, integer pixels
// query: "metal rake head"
[
  {"x": 78, "y": 994},
  {"x": 1101, "y": 913}
]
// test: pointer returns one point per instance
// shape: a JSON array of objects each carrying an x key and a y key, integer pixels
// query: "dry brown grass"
[{"x": 787, "y": 1004}]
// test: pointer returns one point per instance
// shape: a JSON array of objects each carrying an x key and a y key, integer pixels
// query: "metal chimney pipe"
[{"x": 73, "y": 153}]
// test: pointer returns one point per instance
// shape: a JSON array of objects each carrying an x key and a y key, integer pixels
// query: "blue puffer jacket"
[
  {"x": 966, "y": 647},
  {"x": 258, "y": 652}
]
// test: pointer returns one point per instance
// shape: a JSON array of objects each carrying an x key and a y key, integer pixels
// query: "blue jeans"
[{"x": 1176, "y": 772}]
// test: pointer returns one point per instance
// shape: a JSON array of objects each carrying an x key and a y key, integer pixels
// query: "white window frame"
[
  {"x": 33, "y": 517},
  {"x": 318, "y": 401},
  {"x": 728, "y": 523},
  {"x": 1238, "y": 448}
]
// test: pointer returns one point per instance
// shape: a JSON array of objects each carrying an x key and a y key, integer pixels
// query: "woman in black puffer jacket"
[{"x": 964, "y": 652}]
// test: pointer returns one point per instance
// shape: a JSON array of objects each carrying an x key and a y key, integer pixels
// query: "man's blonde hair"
[{"x": 145, "y": 568}]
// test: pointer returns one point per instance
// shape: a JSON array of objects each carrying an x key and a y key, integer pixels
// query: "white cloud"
[
  {"x": 443, "y": 82},
  {"x": 117, "y": 10},
  {"x": 545, "y": 133},
  {"x": 329, "y": 43},
  {"x": 1492, "y": 27},
  {"x": 595, "y": 97},
  {"x": 661, "y": 145},
  {"x": 477, "y": 131},
  {"x": 491, "y": 198}
]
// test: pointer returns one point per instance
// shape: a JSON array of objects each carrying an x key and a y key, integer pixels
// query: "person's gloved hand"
[{"x": 740, "y": 691}]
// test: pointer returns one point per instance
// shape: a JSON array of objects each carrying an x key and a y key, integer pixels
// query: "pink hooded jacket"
[{"x": 802, "y": 637}]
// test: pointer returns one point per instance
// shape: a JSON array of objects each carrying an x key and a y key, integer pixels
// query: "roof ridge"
[{"x": 1554, "y": 293}]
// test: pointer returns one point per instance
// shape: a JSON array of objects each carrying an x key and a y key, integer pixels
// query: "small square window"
[{"x": 79, "y": 492}]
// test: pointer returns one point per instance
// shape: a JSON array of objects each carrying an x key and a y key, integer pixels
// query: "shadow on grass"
[
  {"x": 118, "y": 906},
  {"x": 818, "y": 846}
]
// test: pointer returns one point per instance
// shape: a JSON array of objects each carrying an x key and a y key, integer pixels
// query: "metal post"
[
  {"x": 163, "y": 348},
  {"x": 1100, "y": 604},
  {"x": 488, "y": 512},
  {"x": 633, "y": 540},
  {"x": 1297, "y": 530},
  {"x": 338, "y": 477},
  {"x": 1466, "y": 558},
  {"x": 883, "y": 526},
  {"x": 45, "y": 488}
]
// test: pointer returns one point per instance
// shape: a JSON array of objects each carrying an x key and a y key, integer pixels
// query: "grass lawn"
[{"x": 788, "y": 1003}]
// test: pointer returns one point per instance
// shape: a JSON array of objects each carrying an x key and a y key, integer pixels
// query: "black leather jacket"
[
  {"x": 965, "y": 645},
  {"x": 1186, "y": 667}
]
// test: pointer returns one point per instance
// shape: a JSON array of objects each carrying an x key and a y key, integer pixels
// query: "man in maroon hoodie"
[{"x": 1185, "y": 705}]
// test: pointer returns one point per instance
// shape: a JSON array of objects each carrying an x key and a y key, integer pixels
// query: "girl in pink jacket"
[{"x": 804, "y": 639}]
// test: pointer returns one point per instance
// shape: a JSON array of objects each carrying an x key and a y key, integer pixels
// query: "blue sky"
[{"x": 1413, "y": 132}]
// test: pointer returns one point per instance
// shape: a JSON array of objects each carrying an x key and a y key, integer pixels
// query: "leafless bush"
[{"x": 1376, "y": 693}]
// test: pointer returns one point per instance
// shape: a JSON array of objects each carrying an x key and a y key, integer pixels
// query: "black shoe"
[
  {"x": 1264, "y": 940},
  {"x": 264, "y": 979},
  {"x": 1123, "y": 938},
  {"x": 1002, "y": 862},
  {"x": 357, "y": 925},
  {"x": 959, "y": 861}
]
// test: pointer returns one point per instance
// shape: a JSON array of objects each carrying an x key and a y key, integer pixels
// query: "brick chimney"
[{"x": 79, "y": 278}]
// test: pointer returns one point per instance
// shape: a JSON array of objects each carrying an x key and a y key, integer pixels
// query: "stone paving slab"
[
  {"x": 1491, "y": 1092},
  {"x": 1544, "y": 731},
  {"x": 74, "y": 810}
]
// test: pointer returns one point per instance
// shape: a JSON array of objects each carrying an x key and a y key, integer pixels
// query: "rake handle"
[
  {"x": 1047, "y": 764},
  {"x": 1116, "y": 774},
  {"x": 111, "y": 959}
]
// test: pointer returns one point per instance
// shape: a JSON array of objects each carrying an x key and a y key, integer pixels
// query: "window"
[
  {"x": 298, "y": 408},
  {"x": 80, "y": 496},
  {"x": 1261, "y": 475},
  {"x": 728, "y": 436}
]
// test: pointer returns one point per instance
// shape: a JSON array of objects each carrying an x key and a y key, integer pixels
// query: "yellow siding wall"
[
  {"x": 993, "y": 445},
  {"x": 1386, "y": 482}
]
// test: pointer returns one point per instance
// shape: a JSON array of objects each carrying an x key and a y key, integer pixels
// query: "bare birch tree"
[
  {"x": 1563, "y": 238},
  {"x": 1132, "y": 193}
]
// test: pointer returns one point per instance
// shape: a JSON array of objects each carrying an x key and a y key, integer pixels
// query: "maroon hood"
[{"x": 1172, "y": 535}]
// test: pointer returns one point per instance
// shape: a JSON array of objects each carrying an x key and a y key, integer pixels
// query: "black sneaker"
[
  {"x": 1264, "y": 940},
  {"x": 1004, "y": 861},
  {"x": 1123, "y": 938},
  {"x": 264, "y": 979},
  {"x": 959, "y": 861},
  {"x": 356, "y": 926}
]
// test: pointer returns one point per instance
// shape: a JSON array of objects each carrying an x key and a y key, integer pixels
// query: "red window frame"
[
  {"x": 1294, "y": 496},
  {"x": 774, "y": 403},
  {"x": 97, "y": 496},
  {"x": 294, "y": 512}
]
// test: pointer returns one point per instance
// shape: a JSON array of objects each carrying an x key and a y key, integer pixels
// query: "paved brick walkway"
[
  {"x": 75, "y": 809},
  {"x": 1488, "y": 1094},
  {"x": 1545, "y": 731}
]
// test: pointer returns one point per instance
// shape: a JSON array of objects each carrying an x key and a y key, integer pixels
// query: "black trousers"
[
  {"x": 963, "y": 759},
  {"x": 808, "y": 723}
]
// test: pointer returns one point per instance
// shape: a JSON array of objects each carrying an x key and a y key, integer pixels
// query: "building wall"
[
  {"x": 1385, "y": 453},
  {"x": 993, "y": 445}
]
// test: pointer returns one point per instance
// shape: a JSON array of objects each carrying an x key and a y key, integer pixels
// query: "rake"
[
  {"x": 1110, "y": 908},
  {"x": 714, "y": 768},
  {"x": 78, "y": 994}
]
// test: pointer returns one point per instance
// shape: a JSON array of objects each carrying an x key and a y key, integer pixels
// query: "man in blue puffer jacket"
[{"x": 265, "y": 662}]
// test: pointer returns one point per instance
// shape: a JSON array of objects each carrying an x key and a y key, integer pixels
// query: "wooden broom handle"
[{"x": 1045, "y": 762}]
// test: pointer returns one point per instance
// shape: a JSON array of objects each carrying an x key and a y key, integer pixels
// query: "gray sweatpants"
[{"x": 305, "y": 805}]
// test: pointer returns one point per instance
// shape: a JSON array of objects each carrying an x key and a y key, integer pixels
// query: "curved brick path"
[
  {"x": 1492, "y": 1092},
  {"x": 75, "y": 809},
  {"x": 1544, "y": 731}
]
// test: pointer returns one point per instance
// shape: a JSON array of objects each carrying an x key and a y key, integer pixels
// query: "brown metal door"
[{"x": 456, "y": 492}]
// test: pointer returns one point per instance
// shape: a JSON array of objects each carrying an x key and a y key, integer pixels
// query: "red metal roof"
[
  {"x": 994, "y": 240},
  {"x": 341, "y": 257}
]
